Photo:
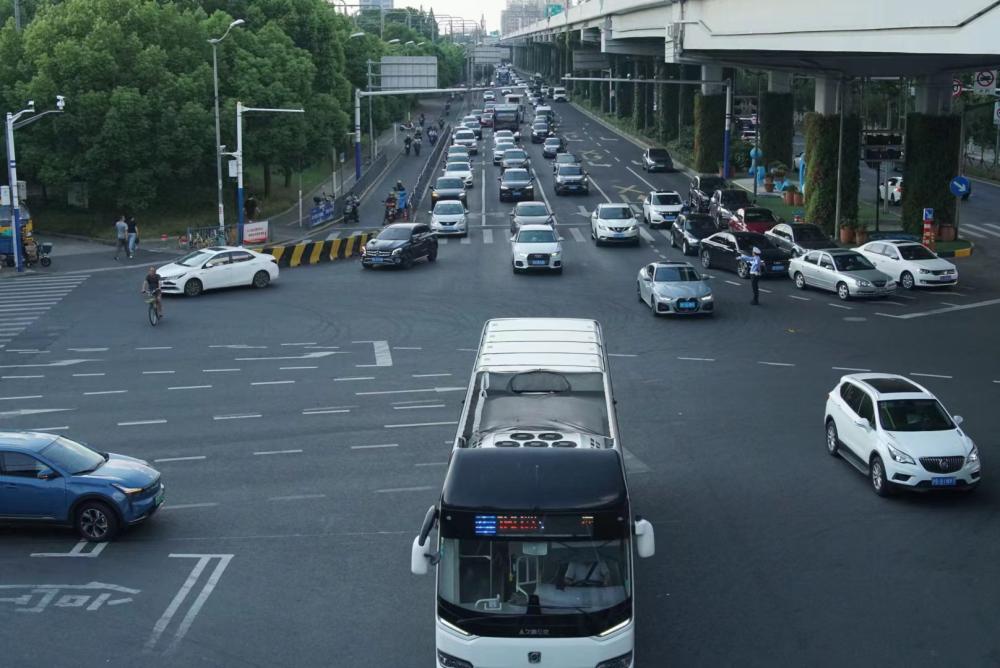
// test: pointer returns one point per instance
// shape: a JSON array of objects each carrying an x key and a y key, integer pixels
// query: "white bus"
[{"x": 535, "y": 532}]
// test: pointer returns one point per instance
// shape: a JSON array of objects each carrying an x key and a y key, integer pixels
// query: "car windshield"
[
  {"x": 72, "y": 456},
  {"x": 700, "y": 225},
  {"x": 570, "y": 170},
  {"x": 194, "y": 259},
  {"x": 552, "y": 141},
  {"x": 666, "y": 199},
  {"x": 515, "y": 154},
  {"x": 449, "y": 184},
  {"x": 852, "y": 262},
  {"x": 758, "y": 216},
  {"x": 457, "y": 167},
  {"x": 532, "y": 209},
  {"x": 735, "y": 198},
  {"x": 615, "y": 212},
  {"x": 536, "y": 237},
  {"x": 449, "y": 208},
  {"x": 492, "y": 577},
  {"x": 675, "y": 274},
  {"x": 658, "y": 154},
  {"x": 915, "y": 252},
  {"x": 913, "y": 415},
  {"x": 515, "y": 175},
  {"x": 747, "y": 240},
  {"x": 465, "y": 134},
  {"x": 710, "y": 183},
  {"x": 808, "y": 234},
  {"x": 395, "y": 233},
  {"x": 566, "y": 158}
]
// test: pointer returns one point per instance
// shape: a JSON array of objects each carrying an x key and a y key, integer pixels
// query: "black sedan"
[
  {"x": 449, "y": 187},
  {"x": 657, "y": 160},
  {"x": 688, "y": 231},
  {"x": 794, "y": 239},
  {"x": 540, "y": 131},
  {"x": 552, "y": 146},
  {"x": 514, "y": 158},
  {"x": 516, "y": 185},
  {"x": 726, "y": 250},
  {"x": 400, "y": 245}
]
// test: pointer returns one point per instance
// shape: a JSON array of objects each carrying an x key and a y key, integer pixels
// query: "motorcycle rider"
[
  {"x": 421, "y": 120},
  {"x": 416, "y": 145},
  {"x": 390, "y": 207},
  {"x": 406, "y": 144}
]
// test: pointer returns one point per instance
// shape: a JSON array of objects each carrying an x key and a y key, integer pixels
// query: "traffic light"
[{"x": 882, "y": 146}]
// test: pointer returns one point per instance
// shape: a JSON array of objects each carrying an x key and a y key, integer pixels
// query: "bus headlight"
[
  {"x": 449, "y": 661},
  {"x": 623, "y": 661}
]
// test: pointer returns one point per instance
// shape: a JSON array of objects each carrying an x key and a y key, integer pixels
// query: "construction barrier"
[{"x": 316, "y": 252}]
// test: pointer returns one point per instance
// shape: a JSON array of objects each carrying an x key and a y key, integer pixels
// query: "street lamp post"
[
  {"x": 15, "y": 197},
  {"x": 218, "y": 133},
  {"x": 238, "y": 154}
]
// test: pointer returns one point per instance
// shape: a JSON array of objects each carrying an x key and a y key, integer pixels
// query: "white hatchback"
[
  {"x": 217, "y": 267},
  {"x": 899, "y": 435},
  {"x": 911, "y": 264}
]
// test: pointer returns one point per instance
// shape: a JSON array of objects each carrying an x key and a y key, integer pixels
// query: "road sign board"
[
  {"x": 959, "y": 186},
  {"x": 956, "y": 87},
  {"x": 985, "y": 81},
  {"x": 996, "y": 113},
  {"x": 928, "y": 215}
]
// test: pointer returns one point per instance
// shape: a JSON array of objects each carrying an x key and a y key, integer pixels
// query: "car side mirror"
[
  {"x": 957, "y": 419},
  {"x": 645, "y": 539},
  {"x": 862, "y": 422},
  {"x": 47, "y": 474}
]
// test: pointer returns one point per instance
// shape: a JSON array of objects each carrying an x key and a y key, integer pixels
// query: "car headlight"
[
  {"x": 623, "y": 661},
  {"x": 397, "y": 251},
  {"x": 973, "y": 455},
  {"x": 706, "y": 298},
  {"x": 862, "y": 283},
  {"x": 127, "y": 491},
  {"x": 925, "y": 271},
  {"x": 557, "y": 255},
  {"x": 899, "y": 456}
]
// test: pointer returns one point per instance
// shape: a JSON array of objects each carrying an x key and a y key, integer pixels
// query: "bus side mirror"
[
  {"x": 645, "y": 542},
  {"x": 419, "y": 556}
]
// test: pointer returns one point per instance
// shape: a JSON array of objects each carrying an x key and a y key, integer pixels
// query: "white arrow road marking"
[
  {"x": 609, "y": 138},
  {"x": 56, "y": 363},
  {"x": 307, "y": 356},
  {"x": 33, "y": 411},
  {"x": 582, "y": 211}
]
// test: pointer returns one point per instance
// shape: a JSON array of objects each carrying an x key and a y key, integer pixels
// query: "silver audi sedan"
[
  {"x": 846, "y": 272},
  {"x": 674, "y": 288}
]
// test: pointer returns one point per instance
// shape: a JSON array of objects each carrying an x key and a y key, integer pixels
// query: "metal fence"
[
  {"x": 203, "y": 237},
  {"x": 326, "y": 211},
  {"x": 427, "y": 173}
]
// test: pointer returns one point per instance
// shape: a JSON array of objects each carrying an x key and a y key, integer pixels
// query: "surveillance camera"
[{"x": 60, "y": 102}]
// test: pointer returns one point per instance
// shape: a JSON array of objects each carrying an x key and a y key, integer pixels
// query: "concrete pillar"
[
  {"x": 826, "y": 95},
  {"x": 779, "y": 82},
  {"x": 933, "y": 94},
  {"x": 713, "y": 72}
]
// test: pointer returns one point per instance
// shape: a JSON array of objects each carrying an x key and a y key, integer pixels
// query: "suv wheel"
[
  {"x": 706, "y": 260},
  {"x": 96, "y": 522},
  {"x": 877, "y": 477},
  {"x": 832, "y": 438}
]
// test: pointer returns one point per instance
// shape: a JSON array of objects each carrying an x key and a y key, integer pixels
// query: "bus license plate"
[{"x": 942, "y": 482}]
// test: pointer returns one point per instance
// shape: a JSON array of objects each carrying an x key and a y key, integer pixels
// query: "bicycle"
[{"x": 152, "y": 310}]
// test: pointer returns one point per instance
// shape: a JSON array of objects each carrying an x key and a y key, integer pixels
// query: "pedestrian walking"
[
  {"x": 121, "y": 236},
  {"x": 756, "y": 270},
  {"x": 133, "y": 235}
]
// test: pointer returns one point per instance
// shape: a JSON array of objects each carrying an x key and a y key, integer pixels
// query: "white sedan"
[
  {"x": 910, "y": 263},
  {"x": 894, "y": 184},
  {"x": 217, "y": 267},
  {"x": 459, "y": 170},
  {"x": 899, "y": 435},
  {"x": 448, "y": 217},
  {"x": 536, "y": 247}
]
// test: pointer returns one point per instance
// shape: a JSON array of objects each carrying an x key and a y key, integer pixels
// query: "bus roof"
[
  {"x": 559, "y": 344},
  {"x": 542, "y": 480}
]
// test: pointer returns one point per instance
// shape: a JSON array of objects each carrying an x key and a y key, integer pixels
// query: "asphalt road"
[{"x": 303, "y": 430}]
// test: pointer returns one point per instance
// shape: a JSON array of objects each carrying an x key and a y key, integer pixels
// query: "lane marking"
[
  {"x": 403, "y": 489},
  {"x": 644, "y": 233},
  {"x": 245, "y": 416},
  {"x": 190, "y": 387},
  {"x": 947, "y": 309},
  {"x": 87, "y": 375},
  {"x": 278, "y": 452},
  {"x": 765, "y": 290},
  {"x": 802, "y": 299},
  {"x": 429, "y": 375},
  {"x": 27, "y": 396},
  {"x": 155, "y": 348},
  {"x": 841, "y": 306},
  {"x": 105, "y": 392},
  {"x": 930, "y": 375},
  {"x": 487, "y": 235},
  {"x": 432, "y": 464},
  {"x": 347, "y": 378},
  {"x": 407, "y": 348},
  {"x": 427, "y": 389},
  {"x": 153, "y": 373},
  {"x": 849, "y": 368},
  {"x": 64, "y": 428},
  {"x": 272, "y": 382},
  {"x": 77, "y": 552},
  {"x": 600, "y": 190},
  {"x": 135, "y": 423},
  {"x": 237, "y": 346},
  {"x": 419, "y": 424},
  {"x": 621, "y": 355},
  {"x": 295, "y": 368},
  {"x": 697, "y": 359},
  {"x": 297, "y": 497},
  {"x": 576, "y": 234},
  {"x": 370, "y": 447},
  {"x": 196, "y": 606},
  {"x": 640, "y": 178},
  {"x": 887, "y": 301},
  {"x": 325, "y": 411},
  {"x": 405, "y": 408},
  {"x": 305, "y": 356},
  {"x": 179, "y": 459},
  {"x": 775, "y": 363},
  {"x": 733, "y": 282},
  {"x": 306, "y": 343},
  {"x": 218, "y": 370}
]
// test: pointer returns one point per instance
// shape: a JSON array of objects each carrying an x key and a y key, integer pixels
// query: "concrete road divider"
[{"x": 316, "y": 252}]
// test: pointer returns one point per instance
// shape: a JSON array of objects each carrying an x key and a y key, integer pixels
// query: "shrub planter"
[
  {"x": 847, "y": 235},
  {"x": 798, "y": 199},
  {"x": 946, "y": 233}
]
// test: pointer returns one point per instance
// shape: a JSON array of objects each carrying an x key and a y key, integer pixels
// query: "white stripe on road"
[
  {"x": 136, "y": 423},
  {"x": 576, "y": 234},
  {"x": 27, "y": 396},
  {"x": 297, "y": 497},
  {"x": 217, "y": 370},
  {"x": 155, "y": 348},
  {"x": 182, "y": 506},
  {"x": 246, "y": 416},
  {"x": 402, "y": 489},
  {"x": 841, "y": 306},
  {"x": 405, "y": 408},
  {"x": 153, "y": 373},
  {"x": 87, "y": 375},
  {"x": 87, "y": 350},
  {"x": 19, "y": 377},
  {"x": 802, "y": 299},
  {"x": 487, "y": 236},
  {"x": 64, "y": 428},
  {"x": 644, "y": 233},
  {"x": 642, "y": 179},
  {"x": 369, "y": 447},
  {"x": 429, "y": 375},
  {"x": 326, "y": 411},
  {"x": 733, "y": 283},
  {"x": 849, "y": 368},
  {"x": 295, "y": 368},
  {"x": 929, "y": 375},
  {"x": 776, "y": 363},
  {"x": 190, "y": 387},
  {"x": 427, "y": 389},
  {"x": 980, "y": 231},
  {"x": 347, "y": 378},
  {"x": 465, "y": 241},
  {"x": 273, "y": 382},
  {"x": 105, "y": 392},
  {"x": 179, "y": 459},
  {"x": 622, "y": 355},
  {"x": 278, "y": 452},
  {"x": 947, "y": 309},
  {"x": 304, "y": 343},
  {"x": 697, "y": 359},
  {"x": 419, "y": 424}
]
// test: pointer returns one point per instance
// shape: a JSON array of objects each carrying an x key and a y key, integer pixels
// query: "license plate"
[
  {"x": 377, "y": 260},
  {"x": 777, "y": 267},
  {"x": 942, "y": 482},
  {"x": 685, "y": 306},
  {"x": 538, "y": 263},
  {"x": 159, "y": 497},
  {"x": 618, "y": 234}
]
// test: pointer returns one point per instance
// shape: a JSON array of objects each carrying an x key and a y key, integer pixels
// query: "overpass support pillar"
[
  {"x": 933, "y": 147},
  {"x": 777, "y": 120},
  {"x": 711, "y": 72},
  {"x": 779, "y": 82},
  {"x": 709, "y": 122},
  {"x": 826, "y": 95}
]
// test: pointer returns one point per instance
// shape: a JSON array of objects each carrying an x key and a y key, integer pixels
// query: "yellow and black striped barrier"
[{"x": 316, "y": 252}]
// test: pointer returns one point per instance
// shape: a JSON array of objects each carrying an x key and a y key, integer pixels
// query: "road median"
[{"x": 319, "y": 251}]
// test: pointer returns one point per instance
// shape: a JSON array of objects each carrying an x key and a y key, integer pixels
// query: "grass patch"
[{"x": 866, "y": 212}]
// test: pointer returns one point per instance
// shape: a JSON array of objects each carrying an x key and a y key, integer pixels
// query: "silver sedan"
[
  {"x": 674, "y": 287},
  {"x": 846, "y": 272}
]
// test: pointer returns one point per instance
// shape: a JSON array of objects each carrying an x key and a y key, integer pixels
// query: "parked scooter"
[{"x": 351, "y": 205}]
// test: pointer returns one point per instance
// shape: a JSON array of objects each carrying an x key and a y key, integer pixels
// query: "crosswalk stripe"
[
  {"x": 982, "y": 229},
  {"x": 333, "y": 235},
  {"x": 487, "y": 236},
  {"x": 576, "y": 234},
  {"x": 443, "y": 241},
  {"x": 644, "y": 233},
  {"x": 665, "y": 233},
  {"x": 970, "y": 231},
  {"x": 25, "y": 300},
  {"x": 465, "y": 241}
]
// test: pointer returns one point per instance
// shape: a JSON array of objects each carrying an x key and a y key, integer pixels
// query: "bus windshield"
[{"x": 548, "y": 588}]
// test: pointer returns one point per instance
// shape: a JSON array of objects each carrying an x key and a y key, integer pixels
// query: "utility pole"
[
  {"x": 17, "y": 15},
  {"x": 371, "y": 122}
]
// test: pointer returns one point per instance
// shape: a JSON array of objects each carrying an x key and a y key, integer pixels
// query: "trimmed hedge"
[
  {"x": 777, "y": 127},
  {"x": 709, "y": 123},
  {"x": 822, "y": 135},
  {"x": 687, "y": 93},
  {"x": 931, "y": 154}
]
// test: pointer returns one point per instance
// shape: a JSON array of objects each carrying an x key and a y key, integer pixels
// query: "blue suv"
[{"x": 49, "y": 478}]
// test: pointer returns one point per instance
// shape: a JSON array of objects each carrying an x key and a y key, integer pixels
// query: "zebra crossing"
[
  {"x": 980, "y": 230},
  {"x": 24, "y": 300}
]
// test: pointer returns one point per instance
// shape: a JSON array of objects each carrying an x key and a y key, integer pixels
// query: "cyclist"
[{"x": 151, "y": 286}]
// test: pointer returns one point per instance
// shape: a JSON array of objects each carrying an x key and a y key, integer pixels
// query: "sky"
[{"x": 472, "y": 10}]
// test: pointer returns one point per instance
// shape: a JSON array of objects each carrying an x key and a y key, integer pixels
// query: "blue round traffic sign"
[{"x": 959, "y": 186}]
